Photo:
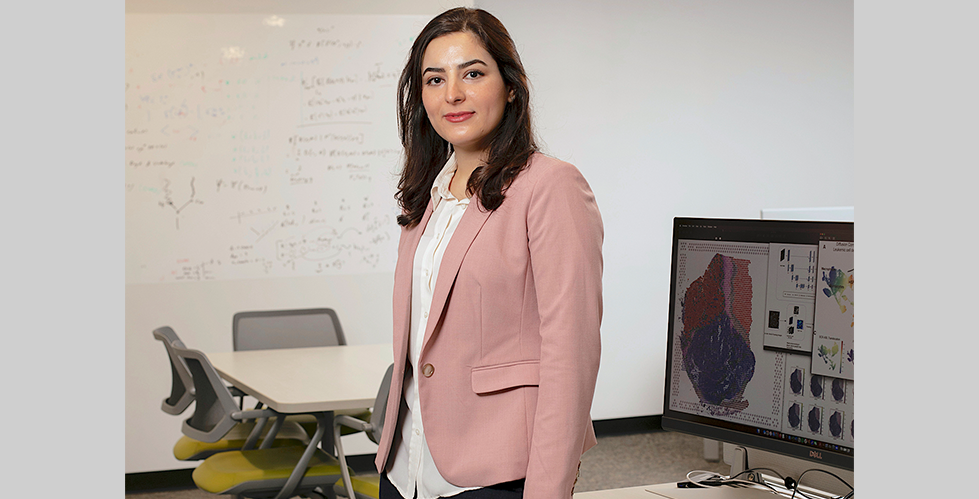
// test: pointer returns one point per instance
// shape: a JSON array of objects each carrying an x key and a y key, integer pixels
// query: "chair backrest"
[
  {"x": 181, "y": 395},
  {"x": 212, "y": 419},
  {"x": 380, "y": 407},
  {"x": 311, "y": 327}
]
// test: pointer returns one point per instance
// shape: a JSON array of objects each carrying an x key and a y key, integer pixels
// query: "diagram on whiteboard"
[{"x": 261, "y": 146}]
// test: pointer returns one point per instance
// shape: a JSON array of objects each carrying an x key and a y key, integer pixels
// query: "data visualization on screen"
[{"x": 761, "y": 334}]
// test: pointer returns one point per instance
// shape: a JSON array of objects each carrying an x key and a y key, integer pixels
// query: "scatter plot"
[
  {"x": 832, "y": 344},
  {"x": 829, "y": 355},
  {"x": 837, "y": 282}
]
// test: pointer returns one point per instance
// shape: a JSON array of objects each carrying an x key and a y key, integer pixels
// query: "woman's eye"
[
  {"x": 435, "y": 80},
  {"x": 474, "y": 74}
]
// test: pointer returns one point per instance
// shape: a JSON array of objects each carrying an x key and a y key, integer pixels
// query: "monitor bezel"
[{"x": 761, "y": 231}]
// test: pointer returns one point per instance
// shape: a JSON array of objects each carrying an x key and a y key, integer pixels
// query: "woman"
[{"x": 497, "y": 290}]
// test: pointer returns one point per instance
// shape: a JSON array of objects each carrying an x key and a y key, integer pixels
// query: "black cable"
[
  {"x": 794, "y": 484},
  {"x": 834, "y": 475},
  {"x": 735, "y": 481},
  {"x": 789, "y": 482}
]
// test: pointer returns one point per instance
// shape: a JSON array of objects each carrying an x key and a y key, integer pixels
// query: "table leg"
[{"x": 327, "y": 443}]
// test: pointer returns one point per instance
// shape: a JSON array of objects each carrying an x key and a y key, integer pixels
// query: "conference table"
[
  {"x": 315, "y": 380},
  {"x": 307, "y": 380}
]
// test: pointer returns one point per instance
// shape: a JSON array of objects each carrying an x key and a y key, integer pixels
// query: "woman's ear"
[{"x": 512, "y": 95}]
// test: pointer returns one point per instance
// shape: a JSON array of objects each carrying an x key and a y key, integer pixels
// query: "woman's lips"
[{"x": 458, "y": 117}]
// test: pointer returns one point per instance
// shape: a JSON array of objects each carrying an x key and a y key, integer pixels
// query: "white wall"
[{"x": 684, "y": 108}]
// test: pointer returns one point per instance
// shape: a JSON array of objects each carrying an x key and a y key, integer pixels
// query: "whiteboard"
[
  {"x": 260, "y": 169},
  {"x": 261, "y": 146}
]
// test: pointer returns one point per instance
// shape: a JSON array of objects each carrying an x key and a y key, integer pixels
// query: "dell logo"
[{"x": 816, "y": 454}]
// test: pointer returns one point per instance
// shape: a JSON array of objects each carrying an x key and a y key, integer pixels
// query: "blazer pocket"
[{"x": 499, "y": 377}]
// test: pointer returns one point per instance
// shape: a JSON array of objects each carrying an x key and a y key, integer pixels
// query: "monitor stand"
[{"x": 822, "y": 485}]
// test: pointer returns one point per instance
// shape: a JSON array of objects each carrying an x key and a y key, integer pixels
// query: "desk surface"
[
  {"x": 297, "y": 380},
  {"x": 623, "y": 493},
  {"x": 670, "y": 491}
]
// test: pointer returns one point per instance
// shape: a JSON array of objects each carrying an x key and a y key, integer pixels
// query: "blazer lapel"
[
  {"x": 403, "y": 284},
  {"x": 463, "y": 237}
]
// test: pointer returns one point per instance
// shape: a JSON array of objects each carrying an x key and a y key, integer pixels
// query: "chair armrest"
[
  {"x": 261, "y": 416},
  {"x": 350, "y": 422},
  {"x": 254, "y": 414}
]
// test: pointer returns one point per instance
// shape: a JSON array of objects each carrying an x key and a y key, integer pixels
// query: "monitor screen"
[{"x": 760, "y": 339}]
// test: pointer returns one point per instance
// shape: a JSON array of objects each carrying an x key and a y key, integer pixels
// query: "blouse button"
[{"x": 428, "y": 370}]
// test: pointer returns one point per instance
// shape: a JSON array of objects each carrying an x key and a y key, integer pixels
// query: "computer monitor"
[{"x": 760, "y": 341}]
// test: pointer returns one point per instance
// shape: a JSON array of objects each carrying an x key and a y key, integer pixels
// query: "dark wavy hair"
[{"x": 510, "y": 145}]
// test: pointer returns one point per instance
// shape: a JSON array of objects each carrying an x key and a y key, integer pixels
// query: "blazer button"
[{"x": 428, "y": 370}]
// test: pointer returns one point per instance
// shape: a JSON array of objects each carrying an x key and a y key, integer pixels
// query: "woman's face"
[{"x": 462, "y": 91}]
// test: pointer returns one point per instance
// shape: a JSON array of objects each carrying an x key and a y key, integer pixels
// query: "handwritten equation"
[{"x": 262, "y": 146}]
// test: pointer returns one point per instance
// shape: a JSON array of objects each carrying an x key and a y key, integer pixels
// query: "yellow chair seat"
[
  {"x": 189, "y": 449},
  {"x": 222, "y": 472},
  {"x": 368, "y": 485}
]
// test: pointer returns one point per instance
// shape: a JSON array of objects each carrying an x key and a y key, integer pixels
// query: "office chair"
[
  {"x": 310, "y": 327},
  {"x": 262, "y": 472},
  {"x": 353, "y": 486},
  {"x": 182, "y": 395}
]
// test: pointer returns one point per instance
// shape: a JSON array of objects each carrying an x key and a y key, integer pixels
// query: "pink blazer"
[{"x": 507, "y": 371}]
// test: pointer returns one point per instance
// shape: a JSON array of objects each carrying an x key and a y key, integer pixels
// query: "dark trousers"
[{"x": 508, "y": 490}]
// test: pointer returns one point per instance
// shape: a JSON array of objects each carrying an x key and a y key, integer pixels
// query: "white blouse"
[{"x": 413, "y": 468}]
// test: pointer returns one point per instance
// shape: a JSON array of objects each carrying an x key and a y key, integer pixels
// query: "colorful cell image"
[
  {"x": 715, "y": 343},
  {"x": 828, "y": 354},
  {"x": 836, "y": 424},
  {"x": 839, "y": 390},
  {"x": 815, "y": 420},
  {"x": 838, "y": 283},
  {"x": 795, "y": 381},
  {"x": 816, "y": 386},
  {"x": 795, "y": 416}
]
